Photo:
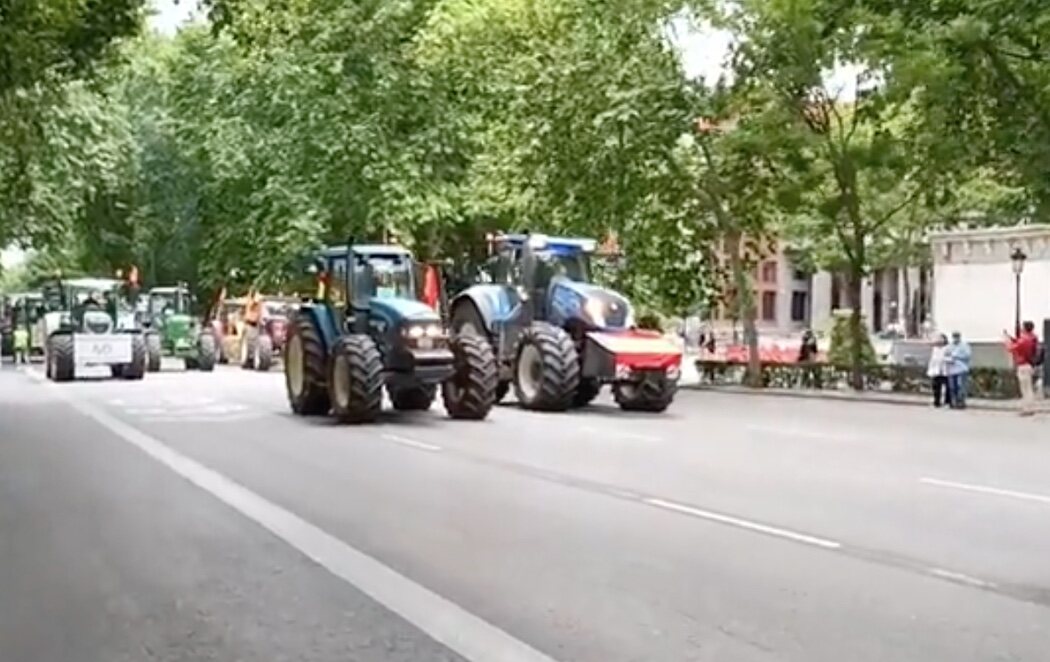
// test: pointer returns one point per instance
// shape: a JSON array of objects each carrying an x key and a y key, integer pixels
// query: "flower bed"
[{"x": 988, "y": 383}]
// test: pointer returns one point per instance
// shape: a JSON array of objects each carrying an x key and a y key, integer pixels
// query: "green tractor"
[
  {"x": 367, "y": 329},
  {"x": 172, "y": 330},
  {"x": 90, "y": 323}
]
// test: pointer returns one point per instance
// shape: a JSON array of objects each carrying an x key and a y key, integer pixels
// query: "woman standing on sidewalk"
[{"x": 937, "y": 371}]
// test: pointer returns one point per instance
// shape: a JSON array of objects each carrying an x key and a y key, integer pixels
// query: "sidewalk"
[{"x": 862, "y": 396}]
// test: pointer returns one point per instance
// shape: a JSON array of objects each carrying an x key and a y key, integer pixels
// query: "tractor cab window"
[
  {"x": 384, "y": 276},
  {"x": 167, "y": 303},
  {"x": 572, "y": 265},
  {"x": 337, "y": 281}
]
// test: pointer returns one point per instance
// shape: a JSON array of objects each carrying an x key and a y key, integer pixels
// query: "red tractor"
[{"x": 259, "y": 344}]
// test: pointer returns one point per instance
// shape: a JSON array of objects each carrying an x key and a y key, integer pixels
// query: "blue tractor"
[
  {"x": 557, "y": 337},
  {"x": 367, "y": 329}
]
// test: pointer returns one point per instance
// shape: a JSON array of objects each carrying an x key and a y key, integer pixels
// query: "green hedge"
[{"x": 988, "y": 383}]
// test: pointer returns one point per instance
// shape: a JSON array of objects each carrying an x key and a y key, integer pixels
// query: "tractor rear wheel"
[
  {"x": 413, "y": 398},
  {"x": 61, "y": 359},
  {"x": 645, "y": 396},
  {"x": 304, "y": 369},
  {"x": 153, "y": 352},
  {"x": 206, "y": 348},
  {"x": 139, "y": 358},
  {"x": 547, "y": 369},
  {"x": 355, "y": 379},
  {"x": 262, "y": 358},
  {"x": 471, "y": 392},
  {"x": 586, "y": 392}
]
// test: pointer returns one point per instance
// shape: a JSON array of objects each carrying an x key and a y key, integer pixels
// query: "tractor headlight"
[
  {"x": 424, "y": 336},
  {"x": 595, "y": 311}
]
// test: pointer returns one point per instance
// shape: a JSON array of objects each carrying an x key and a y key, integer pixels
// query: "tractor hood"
[
  {"x": 597, "y": 306},
  {"x": 394, "y": 311}
]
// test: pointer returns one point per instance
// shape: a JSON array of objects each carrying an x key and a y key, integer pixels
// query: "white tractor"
[{"x": 90, "y": 326}]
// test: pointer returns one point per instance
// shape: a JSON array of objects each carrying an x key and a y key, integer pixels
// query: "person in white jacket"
[{"x": 937, "y": 370}]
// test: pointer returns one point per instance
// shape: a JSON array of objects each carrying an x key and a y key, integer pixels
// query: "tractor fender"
[
  {"x": 324, "y": 320},
  {"x": 493, "y": 304}
]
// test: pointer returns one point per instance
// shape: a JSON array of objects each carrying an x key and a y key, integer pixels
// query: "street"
[{"x": 190, "y": 516}]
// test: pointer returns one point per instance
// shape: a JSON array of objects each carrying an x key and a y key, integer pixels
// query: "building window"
[
  {"x": 769, "y": 306},
  {"x": 768, "y": 273},
  {"x": 798, "y": 306}
]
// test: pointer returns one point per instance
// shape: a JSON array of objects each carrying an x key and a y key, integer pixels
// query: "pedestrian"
[
  {"x": 957, "y": 359},
  {"x": 21, "y": 344},
  {"x": 807, "y": 352},
  {"x": 1024, "y": 350},
  {"x": 937, "y": 371}
]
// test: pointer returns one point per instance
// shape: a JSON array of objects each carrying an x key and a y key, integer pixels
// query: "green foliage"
[{"x": 841, "y": 351}]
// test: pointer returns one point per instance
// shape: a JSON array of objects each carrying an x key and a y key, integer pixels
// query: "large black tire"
[
  {"x": 247, "y": 345},
  {"x": 263, "y": 358},
  {"x": 471, "y": 393},
  {"x": 305, "y": 372},
  {"x": 206, "y": 352},
  {"x": 546, "y": 368},
  {"x": 62, "y": 363},
  {"x": 413, "y": 398},
  {"x": 646, "y": 396},
  {"x": 355, "y": 380},
  {"x": 153, "y": 351},
  {"x": 139, "y": 358},
  {"x": 586, "y": 392}
]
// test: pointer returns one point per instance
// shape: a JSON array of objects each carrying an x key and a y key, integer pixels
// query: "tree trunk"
[
  {"x": 910, "y": 326},
  {"x": 745, "y": 303},
  {"x": 855, "y": 278}
]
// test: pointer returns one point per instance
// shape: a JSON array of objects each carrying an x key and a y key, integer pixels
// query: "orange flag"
[{"x": 431, "y": 287}]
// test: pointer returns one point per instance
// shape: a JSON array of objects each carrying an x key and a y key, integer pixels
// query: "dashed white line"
[
  {"x": 744, "y": 524},
  {"x": 982, "y": 489},
  {"x": 961, "y": 578},
  {"x": 405, "y": 441}
]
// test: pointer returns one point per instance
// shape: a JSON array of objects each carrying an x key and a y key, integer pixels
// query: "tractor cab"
[{"x": 167, "y": 301}]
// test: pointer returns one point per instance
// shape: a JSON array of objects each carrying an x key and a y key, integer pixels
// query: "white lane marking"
[
  {"x": 744, "y": 524},
  {"x": 961, "y": 578},
  {"x": 405, "y": 441},
  {"x": 1027, "y": 496},
  {"x": 468, "y": 635}
]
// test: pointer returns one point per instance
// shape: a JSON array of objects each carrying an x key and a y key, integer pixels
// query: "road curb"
[{"x": 845, "y": 396}]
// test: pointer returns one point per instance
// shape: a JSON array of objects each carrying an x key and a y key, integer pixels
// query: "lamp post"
[{"x": 1017, "y": 258}]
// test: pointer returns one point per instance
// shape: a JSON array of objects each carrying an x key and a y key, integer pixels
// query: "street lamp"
[{"x": 1017, "y": 259}]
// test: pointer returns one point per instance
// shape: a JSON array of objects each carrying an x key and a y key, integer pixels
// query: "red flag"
[{"x": 431, "y": 287}]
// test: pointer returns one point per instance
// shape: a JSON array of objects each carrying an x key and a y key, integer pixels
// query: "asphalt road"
[{"x": 191, "y": 517}]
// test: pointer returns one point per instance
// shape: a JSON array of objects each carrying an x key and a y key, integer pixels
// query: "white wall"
[{"x": 978, "y": 299}]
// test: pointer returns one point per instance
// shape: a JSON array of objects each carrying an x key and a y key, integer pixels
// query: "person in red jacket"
[{"x": 1023, "y": 350}]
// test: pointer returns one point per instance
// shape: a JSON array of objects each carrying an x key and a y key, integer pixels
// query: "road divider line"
[
  {"x": 983, "y": 489},
  {"x": 405, "y": 441},
  {"x": 468, "y": 635},
  {"x": 744, "y": 524},
  {"x": 961, "y": 578}
]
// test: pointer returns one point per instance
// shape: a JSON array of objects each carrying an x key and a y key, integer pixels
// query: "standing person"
[
  {"x": 937, "y": 371},
  {"x": 807, "y": 352},
  {"x": 1023, "y": 349},
  {"x": 21, "y": 344},
  {"x": 957, "y": 357}
]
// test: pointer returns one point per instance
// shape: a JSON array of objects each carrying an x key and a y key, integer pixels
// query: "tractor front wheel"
[
  {"x": 645, "y": 396},
  {"x": 547, "y": 370},
  {"x": 61, "y": 360},
  {"x": 153, "y": 352},
  {"x": 206, "y": 350},
  {"x": 262, "y": 359},
  {"x": 355, "y": 380},
  {"x": 471, "y": 392},
  {"x": 139, "y": 359},
  {"x": 413, "y": 398},
  {"x": 304, "y": 369}
]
